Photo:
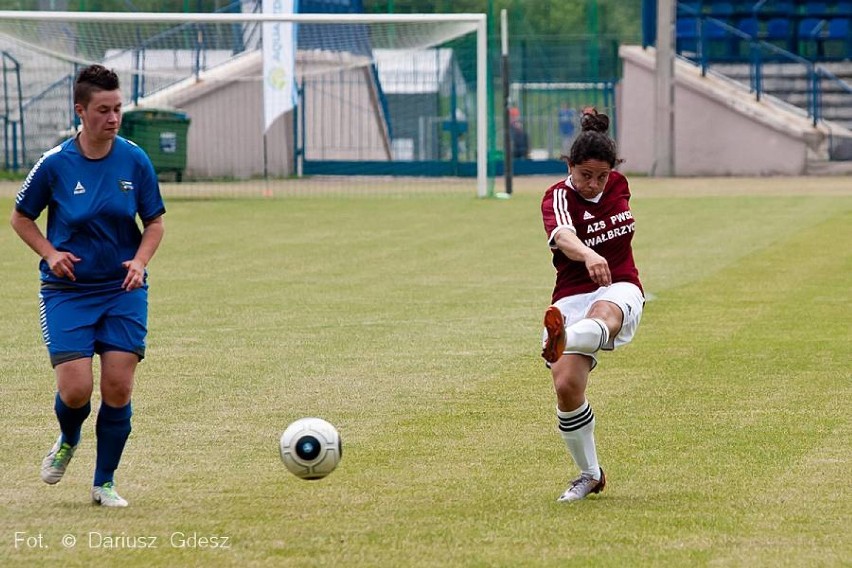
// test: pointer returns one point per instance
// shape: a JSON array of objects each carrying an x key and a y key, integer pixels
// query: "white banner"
[{"x": 279, "y": 62}]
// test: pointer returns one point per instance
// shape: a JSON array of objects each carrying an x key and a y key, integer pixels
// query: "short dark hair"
[
  {"x": 93, "y": 78},
  {"x": 593, "y": 143}
]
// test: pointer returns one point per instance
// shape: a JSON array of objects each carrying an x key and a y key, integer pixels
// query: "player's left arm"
[
  {"x": 152, "y": 234},
  {"x": 151, "y": 209}
]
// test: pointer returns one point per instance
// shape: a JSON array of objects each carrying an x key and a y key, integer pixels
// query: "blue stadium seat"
[
  {"x": 689, "y": 8},
  {"x": 811, "y": 27},
  {"x": 719, "y": 43},
  {"x": 749, "y": 26},
  {"x": 843, "y": 9},
  {"x": 779, "y": 9},
  {"x": 720, "y": 9},
  {"x": 810, "y": 35},
  {"x": 713, "y": 30},
  {"x": 779, "y": 32},
  {"x": 777, "y": 29},
  {"x": 686, "y": 31},
  {"x": 838, "y": 40},
  {"x": 838, "y": 28},
  {"x": 816, "y": 9}
]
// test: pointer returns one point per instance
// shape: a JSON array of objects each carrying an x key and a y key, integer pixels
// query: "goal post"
[{"x": 355, "y": 113}]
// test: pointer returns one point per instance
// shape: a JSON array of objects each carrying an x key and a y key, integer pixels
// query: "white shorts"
[{"x": 627, "y": 296}]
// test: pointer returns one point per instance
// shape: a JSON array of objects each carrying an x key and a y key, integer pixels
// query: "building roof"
[{"x": 413, "y": 71}]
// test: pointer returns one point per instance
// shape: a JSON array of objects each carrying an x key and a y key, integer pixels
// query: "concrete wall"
[
  {"x": 343, "y": 116},
  {"x": 226, "y": 139},
  {"x": 719, "y": 128}
]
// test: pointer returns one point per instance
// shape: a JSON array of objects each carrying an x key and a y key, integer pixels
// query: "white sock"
[{"x": 577, "y": 428}]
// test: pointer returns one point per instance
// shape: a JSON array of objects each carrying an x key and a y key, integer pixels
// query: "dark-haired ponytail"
[
  {"x": 594, "y": 121},
  {"x": 593, "y": 143}
]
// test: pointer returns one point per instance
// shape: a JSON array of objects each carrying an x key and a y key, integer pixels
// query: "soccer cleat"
[
  {"x": 54, "y": 463},
  {"x": 581, "y": 488},
  {"x": 106, "y": 496},
  {"x": 554, "y": 345}
]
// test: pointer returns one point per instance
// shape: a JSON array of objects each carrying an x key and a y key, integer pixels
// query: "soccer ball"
[{"x": 310, "y": 448}]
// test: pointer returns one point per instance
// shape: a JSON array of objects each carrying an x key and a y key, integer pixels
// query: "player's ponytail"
[
  {"x": 593, "y": 143},
  {"x": 593, "y": 121}
]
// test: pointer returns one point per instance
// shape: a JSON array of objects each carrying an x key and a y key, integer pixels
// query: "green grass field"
[{"x": 413, "y": 325}]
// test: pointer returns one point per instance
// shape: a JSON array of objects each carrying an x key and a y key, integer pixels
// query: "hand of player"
[
  {"x": 135, "y": 275},
  {"x": 61, "y": 263},
  {"x": 598, "y": 269}
]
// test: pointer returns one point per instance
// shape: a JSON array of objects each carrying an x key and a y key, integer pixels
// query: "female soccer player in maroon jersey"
[{"x": 597, "y": 301}]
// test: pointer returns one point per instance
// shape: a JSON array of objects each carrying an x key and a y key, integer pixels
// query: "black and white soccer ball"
[{"x": 310, "y": 448}]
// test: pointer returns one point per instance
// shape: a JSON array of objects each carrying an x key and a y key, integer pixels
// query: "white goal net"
[{"x": 395, "y": 101}]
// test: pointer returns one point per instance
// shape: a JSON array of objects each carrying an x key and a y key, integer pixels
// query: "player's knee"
[
  {"x": 75, "y": 394},
  {"x": 75, "y": 397},
  {"x": 568, "y": 389},
  {"x": 116, "y": 393},
  {"x": 586, "y": 336}
]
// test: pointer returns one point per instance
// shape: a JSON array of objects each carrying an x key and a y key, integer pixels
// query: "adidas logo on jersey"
[
  {"x": 587, "y": 216},
  {"x": 79, "y": 189}
]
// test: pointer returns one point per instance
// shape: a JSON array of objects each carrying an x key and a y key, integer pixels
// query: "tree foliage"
[
  {"x": 613, "y": 18},
  {"x": 618, "y": 18}
]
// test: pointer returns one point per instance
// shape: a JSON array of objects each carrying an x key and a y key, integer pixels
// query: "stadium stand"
[
  {"x": 815, "y": 30},
  {"x": 772, "y": 47}
]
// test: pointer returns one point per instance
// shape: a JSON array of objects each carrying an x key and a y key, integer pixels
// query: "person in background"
[
  {"x": 597, "y": 300},
  {"x": 520, "y": 140},
  {"x": 567, "y": 118},
  {"x": 94, "y": 290}
]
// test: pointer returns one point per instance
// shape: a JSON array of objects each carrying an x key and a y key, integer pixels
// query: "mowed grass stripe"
[
  {"x": 745, "y": 388},
  {"x": 792, "y": 434}
]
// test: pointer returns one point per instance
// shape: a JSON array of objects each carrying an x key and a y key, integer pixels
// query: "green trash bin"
[{"x": 162, "y": 134}]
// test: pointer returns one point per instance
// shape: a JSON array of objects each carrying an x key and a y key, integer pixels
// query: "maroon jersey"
[{"x": 606, "y": 227}]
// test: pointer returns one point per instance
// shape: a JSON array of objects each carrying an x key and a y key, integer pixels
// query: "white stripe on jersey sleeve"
[
  {"x": 563, "y": 218},
  {"x": 35, "y": 168}
]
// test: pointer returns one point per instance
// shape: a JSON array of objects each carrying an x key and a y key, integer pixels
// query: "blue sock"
[
  {"x": 71, "y": 419},
  {"x": 112, "y": 428}
]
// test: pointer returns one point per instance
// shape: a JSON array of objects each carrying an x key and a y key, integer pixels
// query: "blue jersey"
[
  {"x": 92, "y": 207},
  {"x": 566, "y": 122}
]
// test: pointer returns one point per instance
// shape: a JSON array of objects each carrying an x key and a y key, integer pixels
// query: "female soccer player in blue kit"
[{"x": 94, "y": 291}]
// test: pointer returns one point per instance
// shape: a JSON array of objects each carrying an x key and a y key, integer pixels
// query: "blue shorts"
[{"x": 77, "y": 323}]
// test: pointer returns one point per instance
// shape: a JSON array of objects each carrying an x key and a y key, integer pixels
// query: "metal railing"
[
  {"x": 243, "y": 35},
  {"x": 16, "y": 108},
  {"x": 13, "y": 123}
]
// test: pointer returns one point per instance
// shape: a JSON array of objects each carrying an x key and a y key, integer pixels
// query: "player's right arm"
[
  {"x": 572, "y": 247},
  {"x": 61, "y": 263},
  {"x": 562, "y": 235}
]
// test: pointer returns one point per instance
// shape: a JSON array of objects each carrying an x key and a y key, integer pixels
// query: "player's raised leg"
[{"x": 585, "y": 336}]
